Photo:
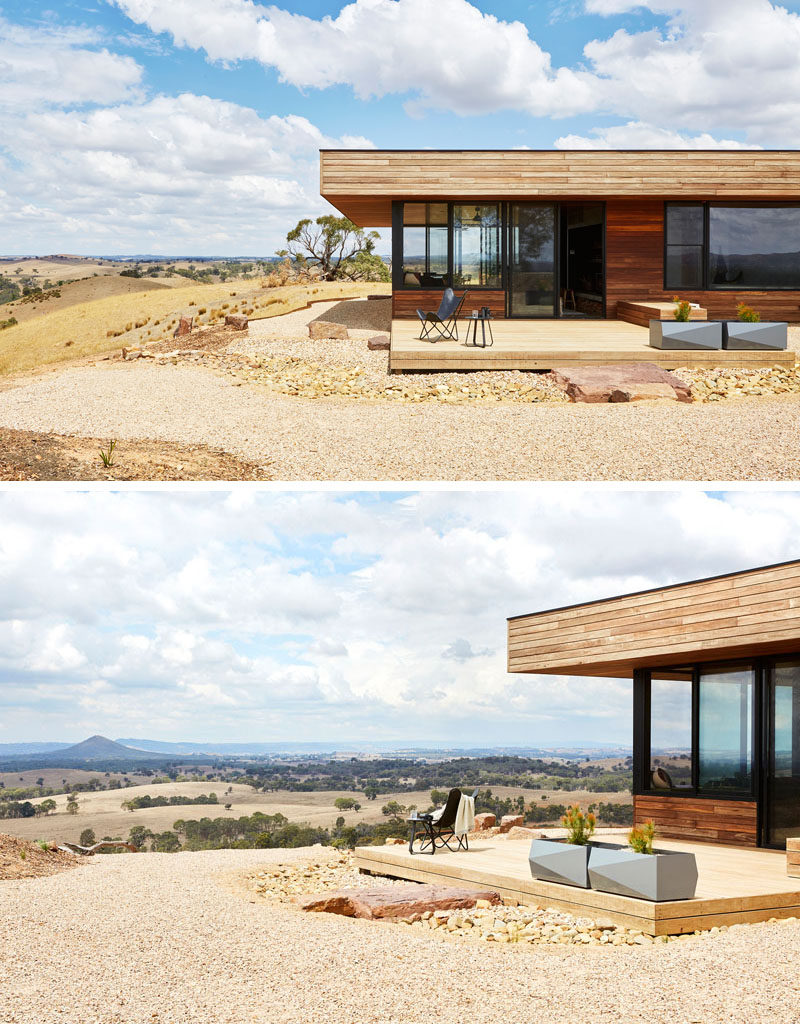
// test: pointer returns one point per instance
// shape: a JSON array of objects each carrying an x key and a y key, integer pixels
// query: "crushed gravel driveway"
[
  {"x": 167, "y": 938},
  {"x": 330, "y": 439}
]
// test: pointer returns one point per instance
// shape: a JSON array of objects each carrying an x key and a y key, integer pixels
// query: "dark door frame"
[{"x": 560, "y": 206}]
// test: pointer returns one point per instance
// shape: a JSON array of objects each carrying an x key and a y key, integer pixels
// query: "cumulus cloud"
[
  {"x": 325, "y": 616},
  {"x": 374, "y": 46},
  {"x": 715, "y": 66},
  {"x": 636, "y": 135}
]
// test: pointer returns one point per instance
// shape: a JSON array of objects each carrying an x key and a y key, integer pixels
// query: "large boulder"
[
  {"x": 321, "y": 329},
  {"x": 236, "y": 320},
  {"x": 396, "y": 900},
  {"x": 620, "y": 382},
  {"x": 379, "y": 343},
  {"x": 509, "y": 821},
  {"x": 484, "y": 821}
]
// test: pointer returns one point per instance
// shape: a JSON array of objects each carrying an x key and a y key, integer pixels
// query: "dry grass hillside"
[
  {"x": 103, "y": 812},
  {"x": 63, "y": 269},
  {"x": 57, "y": 332}
]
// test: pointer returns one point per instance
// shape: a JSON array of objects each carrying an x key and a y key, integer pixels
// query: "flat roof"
[{"x": 654, "y": 590}]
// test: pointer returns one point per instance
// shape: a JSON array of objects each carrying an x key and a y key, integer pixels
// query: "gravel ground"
[
  {"x": 171, "y": 939},
  {"x": 747, "y": 439}
]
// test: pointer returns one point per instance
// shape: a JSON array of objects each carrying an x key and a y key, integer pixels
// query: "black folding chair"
[
  {"x": 444, "y": 322},
  {"x": 436, "y": 829}
]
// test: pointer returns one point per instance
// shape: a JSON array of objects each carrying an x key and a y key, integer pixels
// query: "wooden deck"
[
  {"x": 543, "y": 344},
  {"x": 735, "y": 886}
]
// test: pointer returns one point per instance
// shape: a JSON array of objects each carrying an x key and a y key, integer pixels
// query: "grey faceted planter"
[
  {"x": 662, "y": 875},
  {"x": 740, "y": 337},
  {"x": 693, "y": 334},
  {"x": 554, "y": 860}
]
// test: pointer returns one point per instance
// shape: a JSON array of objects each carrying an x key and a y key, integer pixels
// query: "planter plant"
[
  {"x": 565, "y": 860},
  {"x": 748, "y": 332},
  {"x": 641, "y": 871},
  {"x": 683, "y": 333}
]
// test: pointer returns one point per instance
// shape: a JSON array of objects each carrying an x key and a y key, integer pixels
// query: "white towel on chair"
[{"x": 465, "y": 815}]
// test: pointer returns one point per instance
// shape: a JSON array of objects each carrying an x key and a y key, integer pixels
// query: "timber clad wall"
[
  {"x": 635, "y": 267},
  {"x": 406, "y": 303},
  {"x": 707, "y": 820},
  {"x": 750, "y": 613}
]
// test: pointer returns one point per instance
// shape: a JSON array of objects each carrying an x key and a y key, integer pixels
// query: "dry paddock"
[
  {"x": 330, "y": 439},
  {"x": 169, "y": 939}
]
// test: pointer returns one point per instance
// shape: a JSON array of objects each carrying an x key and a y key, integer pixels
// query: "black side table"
[{"x": 484, "y": 318}]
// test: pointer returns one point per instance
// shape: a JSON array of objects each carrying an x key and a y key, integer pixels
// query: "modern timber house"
[
  {"x": 715, "y": 665},
  {"x": 575, "y": 236}
]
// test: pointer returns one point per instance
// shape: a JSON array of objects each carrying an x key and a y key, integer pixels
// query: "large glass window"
[
  {"x": 476, "y": 246},
  {"x": 754, "y": 247},
  {"x": 425, "y": 245},
  {"x": 737, "y": 247},
  {"x": 725, "y": 747},
  {"x": 671, "y": 729},
  {"x": 685, "y": 238},
  {"x": 783, "y": 777}
]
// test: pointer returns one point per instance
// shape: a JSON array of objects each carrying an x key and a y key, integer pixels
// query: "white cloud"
[
  {"x": 54, "y": 67},
  {"x": 317, "y": 615},
  {"x": 636, "y": 135},
  {"x": 717, "y": 67},
  {"x": 448, "y": 55}
]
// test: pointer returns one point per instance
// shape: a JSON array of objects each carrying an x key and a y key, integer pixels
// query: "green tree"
[
  {"x": 47, "y": 806},
  {"x": 344, "y": 803},
  {"x": 139, "y": 835},
  {"x": 393, "y": 809},
  {"x": 335, "y": 247},
  {"x": 72, "y": 804},
  {"x": 438, "y": 797},
  {"x": 87, "y": 837}
]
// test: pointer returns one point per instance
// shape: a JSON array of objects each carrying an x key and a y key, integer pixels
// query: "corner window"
[
  {"x": 754, "y": 247},
  {"x": 476, "y": 246},
  {"x": 670, "y": 730},
  {"x": 725, "y": 755},
  {"x": 425, "y": 245},
  {"x": 684, "y": 232}
]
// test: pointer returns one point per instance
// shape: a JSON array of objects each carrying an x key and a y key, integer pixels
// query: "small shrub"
[
  {"x": 682, "y": 309},
  {"x": 579, "y": 826},
  {"x": 746, "y": 314},
  {"x": 128, "y": 327},
  {"x": 640, "y": 837},
  {"x": 225, "y": 305},
  {"x": 11, "y": 322},
  {"x": 43, "y": 845},
  {"x": 233, "y": 295},
  {"x": 201, "y": 310},
  {"x": 23, "y": 854},
  {"x": 107, "y": 454},
  {"x": 191, "y": 303}
]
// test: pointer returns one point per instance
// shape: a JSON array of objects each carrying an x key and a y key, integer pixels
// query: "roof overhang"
[
  {"x": 362, "y": 183},
  {"x": 743, "y": 614}
]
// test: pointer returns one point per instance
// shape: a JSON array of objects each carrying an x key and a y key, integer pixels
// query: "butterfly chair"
[
  {"x": 444, "y": 322},
  {"x": 437, "y": 829}
]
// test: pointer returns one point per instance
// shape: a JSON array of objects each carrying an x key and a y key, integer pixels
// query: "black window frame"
[
  {"x": 706, "y": 285},
  {"x": 641, "y": 732},
  {"x": 399, "y": 285}
]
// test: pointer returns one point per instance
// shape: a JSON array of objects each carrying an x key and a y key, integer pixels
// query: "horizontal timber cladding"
[
  {"x": 701, "y": 820},
  {"x": 503, "y": 174},
  {"x": 743, "y": 614},
  {"x": 406, "y": 303},
  {"x": 635, "y": 268}
]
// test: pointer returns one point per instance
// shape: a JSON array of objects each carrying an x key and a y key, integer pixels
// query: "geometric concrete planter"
[
  {"x": 555, "y": 860},
  {"x": 694, "y": 334},
  {"x": 665, "y": 875},
  {"x": 739, "y": 336}
]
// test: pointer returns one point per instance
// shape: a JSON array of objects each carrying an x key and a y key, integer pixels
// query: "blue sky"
[
  {"x": 193, "y": 125},
  {"x": 346, "y": 617}
]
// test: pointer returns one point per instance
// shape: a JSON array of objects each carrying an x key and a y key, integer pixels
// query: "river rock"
[{"x": 320, "y": 329}]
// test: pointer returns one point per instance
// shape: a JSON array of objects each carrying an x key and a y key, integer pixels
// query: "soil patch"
[
  {"x": 29, "y": 455},
  {"x": 22, "y": 859}
]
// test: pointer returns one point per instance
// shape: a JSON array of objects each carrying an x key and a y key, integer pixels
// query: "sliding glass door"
[
  {"x": 532, "y": 259},
  {"x": 783, "y": 774}
]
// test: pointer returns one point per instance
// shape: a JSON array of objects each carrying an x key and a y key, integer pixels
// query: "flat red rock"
[
  {"x": 620, "y": 382},
  {"x": 395, "y": 900}
]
